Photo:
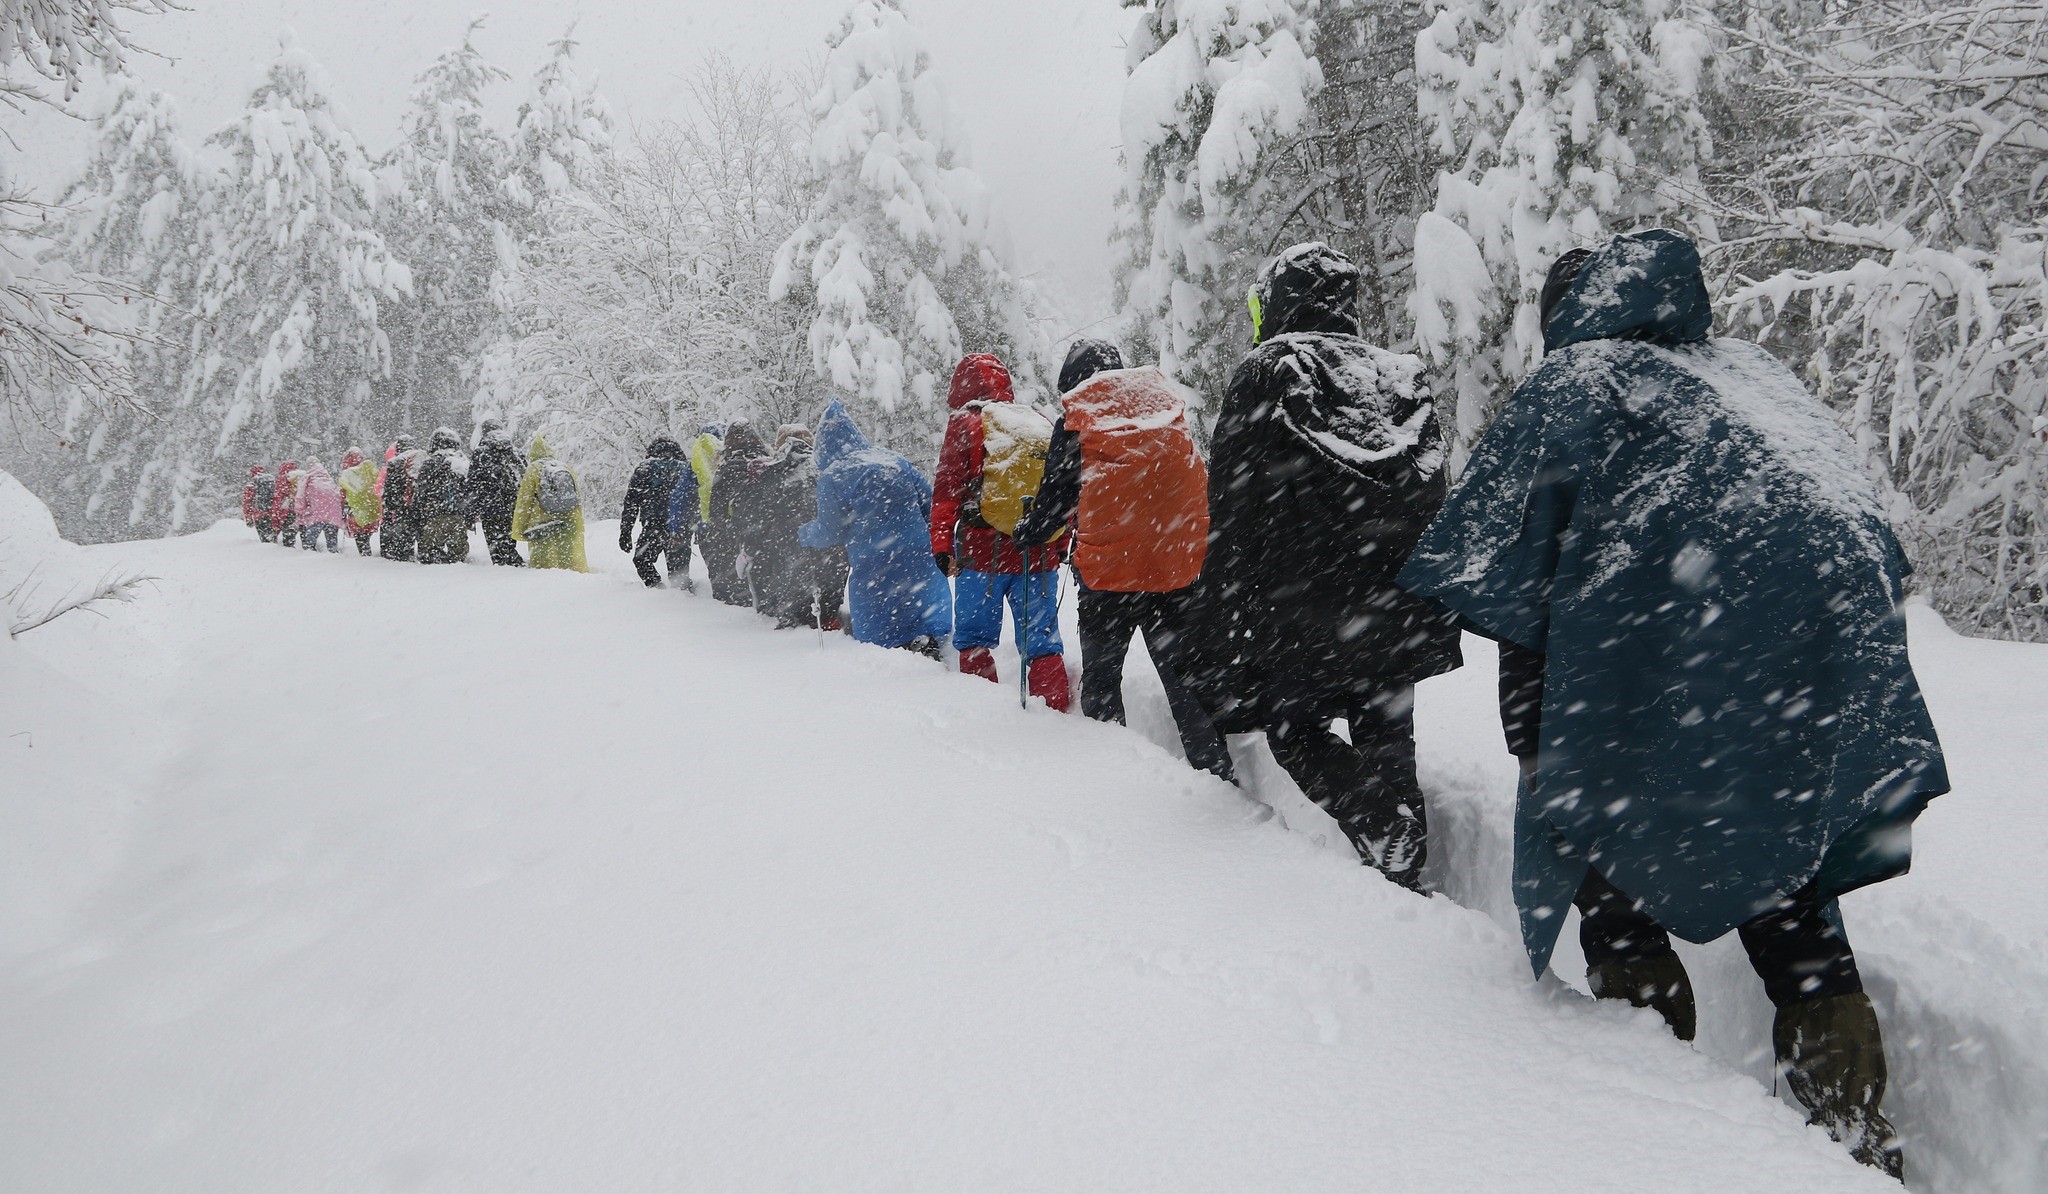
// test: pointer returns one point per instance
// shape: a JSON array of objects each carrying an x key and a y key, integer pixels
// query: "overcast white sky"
[{"x": 1037, "y": 81}]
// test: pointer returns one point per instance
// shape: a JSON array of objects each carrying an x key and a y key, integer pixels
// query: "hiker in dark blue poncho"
[
  {"x": 1704, "y": 662},
  {"x": 877, "y": 506}
]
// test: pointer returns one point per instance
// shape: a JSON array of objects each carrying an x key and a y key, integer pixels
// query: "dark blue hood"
[{"x": 1641, "y": 286}]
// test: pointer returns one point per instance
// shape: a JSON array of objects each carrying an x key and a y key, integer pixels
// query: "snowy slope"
[{"x": 466, "y": 879}]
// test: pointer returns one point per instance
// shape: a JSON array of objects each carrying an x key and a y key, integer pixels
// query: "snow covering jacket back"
[
  {"x": 1688, "y": 538},
  {"x": 1326, "y": 465},
  {"x": 319, "y": 498},
  {"x": 494, "y": 475},
  {"x": 955, "y": 529},
  {"x": 564, "y": 547},
  {"x": 877, "y": 506}
]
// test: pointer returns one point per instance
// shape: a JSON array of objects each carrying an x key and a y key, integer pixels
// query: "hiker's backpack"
[
  {"x": 266, "y": 491},
  {"x": 1014, "y": 443},
  {"x": 557, "y": 489},
  {"x": 437, "y": 491},
  {"x": 1142, "y": 525}
]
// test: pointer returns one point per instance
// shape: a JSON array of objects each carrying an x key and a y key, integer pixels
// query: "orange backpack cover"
[{"x": 1143, "y": 522}]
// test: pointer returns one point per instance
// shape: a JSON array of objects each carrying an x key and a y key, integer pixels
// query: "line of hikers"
[
  {"x": 420, "y": 503},
  {"x": 1690, "y": 577}
]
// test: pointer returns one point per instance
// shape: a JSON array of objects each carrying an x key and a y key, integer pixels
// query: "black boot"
[
  {"x": 1832, "y": 1055},
  {"x": 1653, "y": 979},
  {"x": 1395, "y": 843}
]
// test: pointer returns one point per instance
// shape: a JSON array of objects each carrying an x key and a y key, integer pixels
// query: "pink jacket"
[{"x": 319, "y": 499}]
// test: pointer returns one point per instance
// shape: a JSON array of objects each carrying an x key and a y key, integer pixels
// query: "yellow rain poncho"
[{"x": 562, "y": 548}]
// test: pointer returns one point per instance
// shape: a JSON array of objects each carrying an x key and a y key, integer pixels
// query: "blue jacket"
[
  {"x": 1692, "y": 544},
  {"x": 878, "y": 506}
]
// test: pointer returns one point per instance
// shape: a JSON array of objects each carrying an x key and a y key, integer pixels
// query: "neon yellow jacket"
[
  {"x": 564, "y": 550},
  {"x": 704, "y": 453}
]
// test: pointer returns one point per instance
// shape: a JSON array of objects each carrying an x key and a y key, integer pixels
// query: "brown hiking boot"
[
  {"x": 1656, "y": 980},
  {"x": 1832, "y": 1056}
]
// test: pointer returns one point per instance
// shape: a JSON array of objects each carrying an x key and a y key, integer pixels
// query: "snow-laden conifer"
[
  {"x": 1560, "y": 123},
  {"x": 901, "y": 260}
]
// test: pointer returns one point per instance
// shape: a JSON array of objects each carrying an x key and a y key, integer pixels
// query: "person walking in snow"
[
  {"x": 693, "y": 515},
  {"x": 399, "y": 538},
  {"x": 361, "y": 507},
  {"x": 283, "y": 522},
  {"x": 660, "y": 477},
  {"x": 441, "y": 500},
  {"x": 494, "y": 475},
  {"x": 989, "y": 467},
  {"x": 741, "y": 457},
  {"x": 257, "y": 497},
  {"x": 876, "y": 506},
  {"x": 1326, "y": 465},
  {"x": 791, "y": 583},
  {"x": 1124, "y": 471},
  {"x": 317, "y": 509},
  {"x": 548, "y": 513},
  {"x": 1704, "y": 670}
]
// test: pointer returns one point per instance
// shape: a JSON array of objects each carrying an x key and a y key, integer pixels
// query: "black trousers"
[
  {"x": 655, "y": 543},
  {"x": 399, "y": 539},
  {"x": 497, "y": 526},
  {"x": 1368, "y": 784},
  {"x": 1108, "y": 620},
  {"x": 1797, "y": 948},
  {"x": 721, "y": 550},
  {"x": 362, "y": 543}
]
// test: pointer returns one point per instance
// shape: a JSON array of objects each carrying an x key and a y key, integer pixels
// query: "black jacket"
[
  {"x": 648, "y": 492},
  {"x": 778, "y": 497},
  {"x": 1326, "y": 466},
  {"x": 494, "y": 474}
]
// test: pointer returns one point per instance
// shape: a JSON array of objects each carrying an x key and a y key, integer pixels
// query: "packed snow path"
[{"x": 339, "y": 874}]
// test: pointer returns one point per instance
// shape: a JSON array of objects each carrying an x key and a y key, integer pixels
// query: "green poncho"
[{"x": 1687, "y": 536}]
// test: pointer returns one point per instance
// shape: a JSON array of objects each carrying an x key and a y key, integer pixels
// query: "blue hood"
[
  {"x": 838, "y": 437},
  {"x": 1641, "y": 286}
]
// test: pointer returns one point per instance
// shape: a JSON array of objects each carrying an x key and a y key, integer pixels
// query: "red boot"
[
  {"x": 976, "y": 661},
  {"x": 1048, "y": 681}
]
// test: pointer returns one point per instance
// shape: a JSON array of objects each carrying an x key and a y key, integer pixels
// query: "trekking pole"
[
  {"x": 818, "y": 612},
  {"x": 1024, "y": 625}
]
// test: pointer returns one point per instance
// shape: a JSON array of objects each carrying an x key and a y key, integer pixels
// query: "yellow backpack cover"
[{"x": 1014, "y": 443}]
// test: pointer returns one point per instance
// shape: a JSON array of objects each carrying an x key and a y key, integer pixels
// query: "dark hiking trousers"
[
  {"x": 1108, "y": 620},
  {"x": 656, "y": 543},
  {"x": 399, "y": 539},
  {"x": 504, "y": 548},
  {"x": 1797, "y": 948},
  {"x": 362, "y": 543},
  {"x": 1367, "y": 784}
]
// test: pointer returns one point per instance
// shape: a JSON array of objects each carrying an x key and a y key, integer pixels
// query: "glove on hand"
[{"x": 947, "y": 564}]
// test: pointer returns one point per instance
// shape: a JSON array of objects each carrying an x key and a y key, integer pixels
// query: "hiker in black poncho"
[{"x": 1327, "y": 464}]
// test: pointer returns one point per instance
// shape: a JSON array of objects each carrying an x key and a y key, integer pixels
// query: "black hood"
[
  {"x": 664, "y": 448},
  {"x": 1086, "y": 359},
  {"x": 742, "y": 442},
  {"x": 446, "y": 439},
  {"x": 1308, "y": 288}
]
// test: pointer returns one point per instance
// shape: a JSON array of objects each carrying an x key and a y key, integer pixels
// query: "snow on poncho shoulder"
[{"x": 1383, "y": 413}]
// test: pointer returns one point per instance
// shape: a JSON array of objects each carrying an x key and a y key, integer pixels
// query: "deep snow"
[{"x": 327, "y": 873}]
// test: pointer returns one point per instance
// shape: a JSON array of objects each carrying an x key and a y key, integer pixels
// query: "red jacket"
[
  {"x": 979, "y": 379},
  {"x": 251, "y": 513},
  {"x": 281, "y": 505}
]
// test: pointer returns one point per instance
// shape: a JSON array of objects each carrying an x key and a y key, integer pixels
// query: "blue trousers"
[{"x": 978, "y": 599}]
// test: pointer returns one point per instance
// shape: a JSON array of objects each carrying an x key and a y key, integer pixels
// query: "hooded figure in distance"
[
  {"x": 1326, "y": 465},
  {"x": 495, "y": 471},
  {"x": 548, "y": 514},
  {"x": 791, "y": 583},
  {"x": 399, "y": 538},
  {"x": 876, "y": 506},
  {"x": 441, "y": 501},
  {"x": 362, "y": 507},
  {"x": 258, "y": 495},
  {"x": 1697, "y": 594},
  {"x": 318, "y": 508},
  {"x": 692, "y": 514},
  {"x": 658, "y": 479}
]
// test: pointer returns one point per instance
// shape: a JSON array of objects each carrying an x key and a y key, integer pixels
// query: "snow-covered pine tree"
[
  {"x": 1560, "y": 123},
  {"x": 444, "y": 212},
  {"x": 1894, "y": 245},
  {"x": 53, "y": 322},
  {"x": 561, "y": 141},
  {"x": 1216, "y": 90},
  {"x": 900, "y": 263},
  {"x": 291, "y": 289},
  {"x": 134, "y": 214}
]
